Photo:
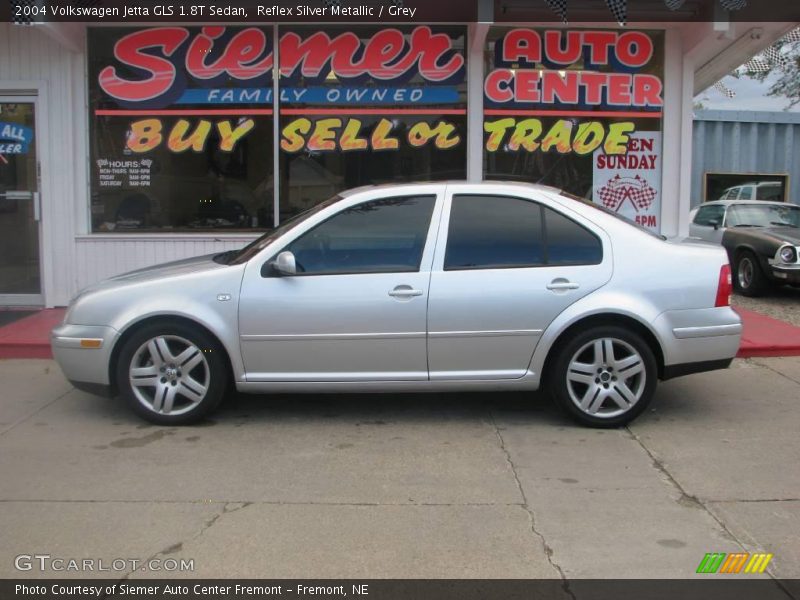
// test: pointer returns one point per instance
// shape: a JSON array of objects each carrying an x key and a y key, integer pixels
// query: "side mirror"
[
  {"x": 714, "y": 224},
  {"x": 285, "y": 264}
]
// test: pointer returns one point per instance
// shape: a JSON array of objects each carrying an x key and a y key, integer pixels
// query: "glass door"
[{"x": 20, "y": 282}]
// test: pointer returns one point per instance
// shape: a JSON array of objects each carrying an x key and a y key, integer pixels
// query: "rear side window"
[{"x": 495, "y": 232}]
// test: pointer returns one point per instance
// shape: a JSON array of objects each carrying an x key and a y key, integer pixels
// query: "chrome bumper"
[{"x": 83, "y": 352}]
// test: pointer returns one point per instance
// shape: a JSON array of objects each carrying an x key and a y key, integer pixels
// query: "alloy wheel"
[
  {"x": 169, "y": 375},
  {"x": 606, "y": 378}
]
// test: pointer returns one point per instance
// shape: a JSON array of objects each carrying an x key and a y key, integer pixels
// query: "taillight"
[{"x": 724, "y": 287}]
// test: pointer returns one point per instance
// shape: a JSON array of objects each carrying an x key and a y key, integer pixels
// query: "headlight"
[{"x": 788, "y": 254}]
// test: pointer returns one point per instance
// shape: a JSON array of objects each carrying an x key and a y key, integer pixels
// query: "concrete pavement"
[{"x": 444, "y": 485}]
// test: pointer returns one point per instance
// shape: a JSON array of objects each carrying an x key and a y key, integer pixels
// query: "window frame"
[
  {"x": 433, "y": 220},
  {"x": 545, "y": 243}
]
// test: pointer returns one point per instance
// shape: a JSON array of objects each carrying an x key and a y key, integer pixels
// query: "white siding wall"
[{"x": 71, "y": 258}]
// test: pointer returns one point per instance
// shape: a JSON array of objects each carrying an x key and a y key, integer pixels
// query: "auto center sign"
[{"x": 591, "y": 84}]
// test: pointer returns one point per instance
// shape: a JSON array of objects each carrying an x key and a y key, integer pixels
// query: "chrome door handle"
[
  {"x": 404, "y": 291},
  {"x": 562, "y": 284}
]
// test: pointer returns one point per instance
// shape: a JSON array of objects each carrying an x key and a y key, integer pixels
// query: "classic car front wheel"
[
  {"x": 604, "y": 376},
  {"x": 748, "y": 278},
  {"x": 171, "y": 374}
]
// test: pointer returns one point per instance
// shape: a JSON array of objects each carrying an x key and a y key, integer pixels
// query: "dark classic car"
[{"x": 762, "y": 239}]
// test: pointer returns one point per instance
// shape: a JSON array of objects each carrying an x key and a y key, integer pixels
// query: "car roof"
[
  {"x": 477, "y": 184},
  {"x": 737, "y": 202}
]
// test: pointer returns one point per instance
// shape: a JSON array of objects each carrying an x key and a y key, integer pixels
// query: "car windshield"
[
  {"x": 763, "y": 215},
  {"x": 236, "y": 257}
]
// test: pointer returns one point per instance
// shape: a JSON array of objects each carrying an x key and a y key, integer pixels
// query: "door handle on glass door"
[{"x": 404, "y": 291}]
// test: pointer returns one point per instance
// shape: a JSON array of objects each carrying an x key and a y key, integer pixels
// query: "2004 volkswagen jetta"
[{"x": 447, "y": 286}]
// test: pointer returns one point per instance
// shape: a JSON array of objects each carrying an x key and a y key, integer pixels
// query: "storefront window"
[
  {"x": 580, "y": 110},
  {"x": 181, "y": 128},
  {"x": 366, "y": 105}
]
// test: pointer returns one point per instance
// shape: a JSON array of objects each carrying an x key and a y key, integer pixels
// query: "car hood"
[
  {"x": 162, "y": 271},
  {"x": 788, "y": 235}
]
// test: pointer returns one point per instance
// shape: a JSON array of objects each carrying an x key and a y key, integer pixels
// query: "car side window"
[
  {"x": 495, "y": 232},
  {"x": 746, "y": 193},
  {"x": 707, "y": 215},
  {"x": 380, "y": 236},
  {"x": 569, "y": 243}
]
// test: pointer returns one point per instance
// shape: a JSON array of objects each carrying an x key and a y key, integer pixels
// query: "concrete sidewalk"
[{"x": 461, "y": 485}]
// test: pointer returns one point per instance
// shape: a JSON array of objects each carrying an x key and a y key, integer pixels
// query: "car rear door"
[
  {"x": 506, "y": 265},
  {"x": 356, "y": 310}
]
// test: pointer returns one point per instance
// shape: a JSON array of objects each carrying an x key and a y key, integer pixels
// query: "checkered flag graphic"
[
  {"x": 397, "y": 3},
  {"x": 619, "y": 8},
  {"x": 792, "y": 36},
  {"x": 733, "y": 4},
  {"x": 723, "y": 89},
  {"x": 330, "y": 3},
  {"x": 559, "y": 7},
  {"x": 757, "y": 65},
  {"x": 774, "y": 55},
  {"x": 614, "y": 193},
  {"x": 674, "y": 4}
]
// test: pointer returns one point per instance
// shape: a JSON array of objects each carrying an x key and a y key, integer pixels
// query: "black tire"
[
  {"x": 211, "y": 372},
  {"x": 607, "y": 392},
  {"x": 748, "y": 278}
]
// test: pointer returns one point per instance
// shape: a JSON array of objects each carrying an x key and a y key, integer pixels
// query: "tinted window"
[
  {"x": 493, "y": 232},
  {"x": 747, "y": 193},
  {"x": 569, "y": 243},
  {"x": 386, "y": 235},
  {"x": 706, "y": 215}
]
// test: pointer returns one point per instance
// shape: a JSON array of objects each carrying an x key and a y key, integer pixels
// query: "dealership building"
[{"x": 123, "y": 146}]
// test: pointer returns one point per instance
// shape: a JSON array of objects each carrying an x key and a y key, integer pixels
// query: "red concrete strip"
[
  {"x": 765, "y": 336},
  {"x": 30, "y": 337}
]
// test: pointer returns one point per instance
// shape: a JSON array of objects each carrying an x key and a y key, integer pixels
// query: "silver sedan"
[{"x": 420, "y": 287}]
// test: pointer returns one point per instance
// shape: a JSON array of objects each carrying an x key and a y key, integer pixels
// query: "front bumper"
[
  {"x": 786, "y": 273},
  {"x": 84, "y": 352}
]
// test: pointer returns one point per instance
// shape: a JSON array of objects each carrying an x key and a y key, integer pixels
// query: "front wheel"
[
  {"x": 604, "y": 377},
  {"x": 748, "y": 279},
  {"x": 171, "y": 374}
]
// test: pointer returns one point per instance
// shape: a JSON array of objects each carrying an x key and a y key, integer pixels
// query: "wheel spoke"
[
  {"x": 192, "y": 362},
  {"x": 608, "y": 352},
  {"x": 193, "y": 389},
  {"x": 584, "y": 368},
  {"x": 148, "y": 371},
  {"x": 626, "y": 397},
  {"x": 598, "y": 352},
  {"x": 589, "y": 398},
  {"x": 584, "y": 378},
  {"x": 164, "y": 350},
  {"x": 170, "y": 391},
  {"x": 145, "y": 381},
  {"x": 629, "y": 366}
]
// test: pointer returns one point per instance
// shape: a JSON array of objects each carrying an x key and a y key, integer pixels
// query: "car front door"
[
  {"x": 505, "y": 267},
  {"x": 356, "y": 308}
]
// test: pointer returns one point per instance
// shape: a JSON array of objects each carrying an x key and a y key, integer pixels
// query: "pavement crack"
[
  {"x": 526, "y": 506},
  {"x": 26, "y": 418},
  {"x": 769, "y": 368},
  {"x": 691, "y": 501}
]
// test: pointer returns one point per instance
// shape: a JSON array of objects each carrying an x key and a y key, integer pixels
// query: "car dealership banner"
[
  {"x": 630, "y": 184},
  {"x": 334, "y": 85}
]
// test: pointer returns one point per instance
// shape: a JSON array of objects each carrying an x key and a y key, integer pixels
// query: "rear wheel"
[
  {"x": 171, "y": 374},
  {"x": 748, "y": 278},
  {"x": 604, "y": 377}
]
